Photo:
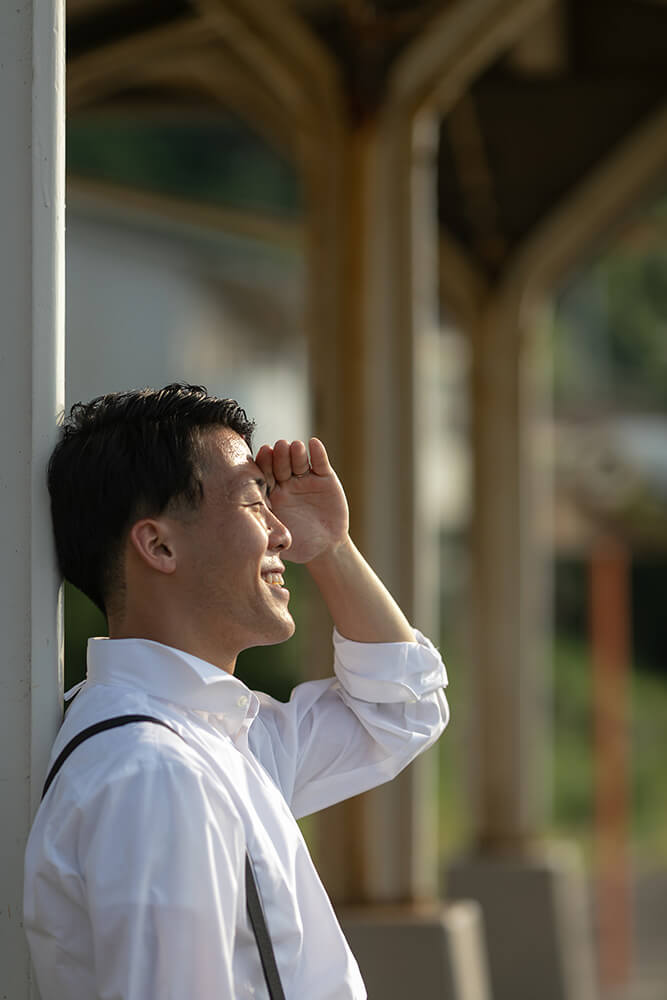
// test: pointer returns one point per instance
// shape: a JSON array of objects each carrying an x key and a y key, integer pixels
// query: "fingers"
[
  {"x": 282, "y": 463},
  {"x": 299, "y": 458},
  {"x": 285, "y": 460},
  {"x": 290, "y": 460},
  {"x": 319, "y": 460},
  {"x": 264, "y": 459}
]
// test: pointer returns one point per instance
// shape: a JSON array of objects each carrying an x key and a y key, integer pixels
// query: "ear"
[{"x": 151, "y": 541}]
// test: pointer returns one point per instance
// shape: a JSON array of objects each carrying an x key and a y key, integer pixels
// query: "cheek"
[
  {"x": 246, "y": 541},
  {"x": 260, "y": 529},
  {"x": 231, "y": 547}
]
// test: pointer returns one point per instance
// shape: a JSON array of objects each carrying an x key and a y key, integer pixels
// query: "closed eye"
[
  {"x": 256, "y": 486},
  {"x": 259, "y": 503}
]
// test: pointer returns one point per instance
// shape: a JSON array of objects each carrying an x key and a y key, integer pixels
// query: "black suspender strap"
[
  {"x": 261, "y": 931},
  {"x": 98, "y": 727},
  {"x": 253, "y": 902}
]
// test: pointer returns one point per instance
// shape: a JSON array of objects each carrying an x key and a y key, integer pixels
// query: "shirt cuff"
[{"x": 388, "y": 671}]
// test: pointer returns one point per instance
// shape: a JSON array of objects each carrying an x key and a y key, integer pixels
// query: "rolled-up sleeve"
[
  {"x": 340, "y": 737},
  {"x": 389, "y": 672}
]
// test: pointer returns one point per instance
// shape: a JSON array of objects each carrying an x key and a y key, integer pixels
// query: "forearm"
[{"x": 361, "y": 606}]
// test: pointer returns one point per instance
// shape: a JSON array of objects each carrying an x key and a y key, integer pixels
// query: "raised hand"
[{"x": 306, "y": 495}]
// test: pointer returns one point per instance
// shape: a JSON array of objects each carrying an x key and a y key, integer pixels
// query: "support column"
[
  {"x": 505, "y": 596},
  {"x": 532, "y": 897},
  {"x": 378, "y": 853},
  {"x": 32, "y": 49},
  {"x": 378, "y": 847}
]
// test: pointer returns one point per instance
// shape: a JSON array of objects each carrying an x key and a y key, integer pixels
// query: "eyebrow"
[{"x": 258, "y": 481}]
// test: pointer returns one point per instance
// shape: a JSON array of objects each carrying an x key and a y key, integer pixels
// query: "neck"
[{"x": 176, "y": 632}]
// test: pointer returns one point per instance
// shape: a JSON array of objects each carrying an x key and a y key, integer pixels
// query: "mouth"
[{"x": 273, "y": 577}]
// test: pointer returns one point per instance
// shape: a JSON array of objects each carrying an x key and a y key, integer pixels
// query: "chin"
[
  {"x": 288, "y": 630},
  {"x": 280, "y": 631}
]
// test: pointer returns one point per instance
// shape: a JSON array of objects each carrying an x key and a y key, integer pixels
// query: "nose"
[{"x": 279, "y": 535}]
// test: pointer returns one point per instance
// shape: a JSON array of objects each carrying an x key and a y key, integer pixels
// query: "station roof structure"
[{"x": 528, "y": 128}]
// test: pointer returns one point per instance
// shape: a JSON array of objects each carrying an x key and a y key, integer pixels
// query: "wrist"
[
  {"x": 333, "y": 558},
  {"x": 361, "y": 607}
]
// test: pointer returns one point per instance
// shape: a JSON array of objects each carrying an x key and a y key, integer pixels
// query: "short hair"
[{"x": 123, "y": 456}]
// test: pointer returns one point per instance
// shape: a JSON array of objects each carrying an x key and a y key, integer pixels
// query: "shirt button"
[{"x": 243, "y": 701}]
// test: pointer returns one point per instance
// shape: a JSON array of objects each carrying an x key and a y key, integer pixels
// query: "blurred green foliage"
[
  {"x": 609, "y": 341},
  {"x": 573, "y": 785},
  {"x": 211, "y": 158},
  {"x": 648, "y": 585},
  {"x": 82, "y": 620},
  {"x": 573, "y": 762},
  {"x": 573, "y": 801},
  {"x": 610, "y": 335}
]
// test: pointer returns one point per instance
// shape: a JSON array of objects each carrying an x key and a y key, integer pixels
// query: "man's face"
[{"x": 229, "y": 551}]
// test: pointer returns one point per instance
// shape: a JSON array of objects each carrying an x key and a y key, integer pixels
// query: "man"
[{"x": 134, "y": 883}]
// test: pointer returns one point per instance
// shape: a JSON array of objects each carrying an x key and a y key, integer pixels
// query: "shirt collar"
[{"x": 174, "y": 675}]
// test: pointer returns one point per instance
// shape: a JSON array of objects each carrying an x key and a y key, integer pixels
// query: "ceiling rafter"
[
  {"x": 476, "y": 181},
  {"x": 98, "y": 74}
]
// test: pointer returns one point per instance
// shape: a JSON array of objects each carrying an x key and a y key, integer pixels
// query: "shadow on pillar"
[
  {"x": 432, "y": 952},
  {"x": 537, "y": 920}
]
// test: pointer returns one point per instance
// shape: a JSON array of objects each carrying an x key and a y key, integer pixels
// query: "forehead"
[{"x": 227, "y": 457}]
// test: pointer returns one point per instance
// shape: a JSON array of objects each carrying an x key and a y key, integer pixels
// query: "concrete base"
[
  {"x": 537, "y": 923},
  {"x": 419, "y": 952}
]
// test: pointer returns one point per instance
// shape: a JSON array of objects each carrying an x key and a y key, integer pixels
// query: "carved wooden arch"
[
  {"x": 279, "y": 65},
  {"x": 269, "y": 69},
  {"x": 431, "y": 75},
  {"x": 229, "y": 84},
  {"x": 598, "y": 202},
  {"x": 198, "y": 64},
  {"x": 96, "y": 75},
  {"x": 311, "y": 93},
  {"x": 438, "y": 65},
  {"x": 283, "y": 52},
  {"x": 428, "y": 79}
]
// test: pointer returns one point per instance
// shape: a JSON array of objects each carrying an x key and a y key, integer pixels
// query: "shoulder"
[{"x": 137, "y": 761}]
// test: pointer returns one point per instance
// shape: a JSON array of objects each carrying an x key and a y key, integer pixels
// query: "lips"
[{"x": 272, "y": 573}]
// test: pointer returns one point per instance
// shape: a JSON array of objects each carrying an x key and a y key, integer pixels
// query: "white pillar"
[{"x": 31, "y": 392}]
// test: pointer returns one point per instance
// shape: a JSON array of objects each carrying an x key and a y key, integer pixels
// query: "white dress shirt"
[{"x": 134, "y": 879}]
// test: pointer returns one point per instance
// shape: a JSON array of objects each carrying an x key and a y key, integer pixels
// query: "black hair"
[{"x": 123, "y": 456}]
